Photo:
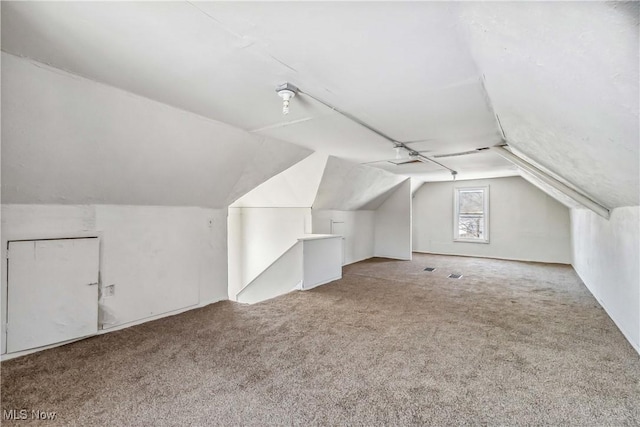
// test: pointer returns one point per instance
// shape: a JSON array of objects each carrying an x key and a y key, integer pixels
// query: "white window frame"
[{"x": 456, "y": 214}]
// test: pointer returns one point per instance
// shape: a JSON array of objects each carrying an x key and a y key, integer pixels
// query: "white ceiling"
[
  {"x": 399, "y": 66},
  {"x": 68, "y": 140},
  {"x": 561, "y": 76},
  {"x": 367, "y": 187}
]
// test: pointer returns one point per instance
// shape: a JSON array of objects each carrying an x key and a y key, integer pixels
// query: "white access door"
[{"x": 52, "y": 291}]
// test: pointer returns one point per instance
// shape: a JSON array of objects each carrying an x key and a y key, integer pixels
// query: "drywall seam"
[
  {"x": 208, "y": 168},
  {"x": 77, "y": 76}
]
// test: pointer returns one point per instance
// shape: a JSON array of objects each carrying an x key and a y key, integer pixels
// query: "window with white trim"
[{"x": 471, "y": 214}]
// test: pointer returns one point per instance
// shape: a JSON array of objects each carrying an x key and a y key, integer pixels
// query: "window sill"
[{"x": 471, "y": 241}]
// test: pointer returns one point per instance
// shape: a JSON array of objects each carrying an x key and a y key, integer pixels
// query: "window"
[{"x": 471, "y": 210}]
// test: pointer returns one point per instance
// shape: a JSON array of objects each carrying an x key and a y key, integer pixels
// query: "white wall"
[
  {"x": 349, "y": 186},
  {"x": 312, "y": 261},
  {"x": 80, "y": 155},
  {"x": 322, "y": 260},
  {"x": 357, "y": 229},
  {"x": 70, "y": 140},
  {"x": 161, "y": 259},
  {"x": 259, "y": 236},
  {"x": 606, "y": 256},
  {"x": 294, "y": 187},
  {"x": 563, "y": 79},
  {"x": 281, "y": 276},
  {"x": 393, "y": 225},
  {"x": 525, "y": 223}
]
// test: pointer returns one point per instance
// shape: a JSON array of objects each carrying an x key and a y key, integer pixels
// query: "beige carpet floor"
[{"x": 510, "y": 343}]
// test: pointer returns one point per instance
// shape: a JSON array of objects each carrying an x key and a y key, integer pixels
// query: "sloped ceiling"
[
  {"x": 399, "y": 66},
  {"x": 348, "y": 186},
  {"x": 68, "y": 140},
  {"x": 562, "y": 76},
  {"x": 295, "y": 187}
]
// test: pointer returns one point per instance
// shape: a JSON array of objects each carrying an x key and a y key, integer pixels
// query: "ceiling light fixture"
[{"x": 286, "y": 91}]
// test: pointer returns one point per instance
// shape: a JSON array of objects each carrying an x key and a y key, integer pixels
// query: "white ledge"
[{"x": 319, "y": 236}]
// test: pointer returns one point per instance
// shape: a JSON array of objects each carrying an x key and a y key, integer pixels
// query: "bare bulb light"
[
  {"x": 286, "y": 91},
  {"x": 286, "y": 96}
]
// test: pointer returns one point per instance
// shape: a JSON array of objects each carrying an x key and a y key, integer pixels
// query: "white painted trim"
[
  {"x": 578, "y": 196},
  {"x": 156, "y": 317},
  {"x": 83, "y": 234},
  {"x": 8, "y": 356},
  {"x": 388, "y": 257},
  {"x": 456, "y": 213},
  {"x": 358, "y": 260},
  {"x": 489, "y": 257},
  {"x": 319, "y": 237}
]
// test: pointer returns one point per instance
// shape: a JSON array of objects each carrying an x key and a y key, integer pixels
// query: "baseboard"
[
  {"x": 157, "y": 316},
  {"x": 635, "y": 346},
  {"x": 358, "y": 260},
  {"x": 8, "y": 356},
  {"x": 491, "y": 257},
  {"x": 392, "y": 257},
  {"x": 322, "y": 283}
]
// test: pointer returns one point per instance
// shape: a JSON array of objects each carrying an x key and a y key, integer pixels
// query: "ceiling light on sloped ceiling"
[{"x": 286, "y": 91}]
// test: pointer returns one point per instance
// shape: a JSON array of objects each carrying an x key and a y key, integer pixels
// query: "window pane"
[
  {"x": 471, "y": 226},
  {"x": 471, "y": 202},
  {"x": 471, "y": 214}
]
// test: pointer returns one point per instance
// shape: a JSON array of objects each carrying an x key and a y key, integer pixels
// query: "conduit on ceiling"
[
  {"x": 574, "y": 194},
  {"x": 287, "y": 91}
]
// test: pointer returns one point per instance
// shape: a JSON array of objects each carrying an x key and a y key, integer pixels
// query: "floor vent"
[
  {"x": 454, "y": 276},
  {"x": 429, "y": 269}
]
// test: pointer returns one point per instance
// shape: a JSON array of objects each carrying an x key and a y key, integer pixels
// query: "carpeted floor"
[{"x": 510, "y": 343}]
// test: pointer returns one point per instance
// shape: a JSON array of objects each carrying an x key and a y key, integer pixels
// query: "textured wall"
[
  {"x": 393, "y": 225},
  {"x": 525, "y": 223},
  {"x": 349, "y": 186},
  {"x": 606, "y": 256},
  {"x": 69, "y": 140},
  {"x": 159, "y": 258},
  {"x": 564, "y": 79},
  {"x": 357, "y": 229}
]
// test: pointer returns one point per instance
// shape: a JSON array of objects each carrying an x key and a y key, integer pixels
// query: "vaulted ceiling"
[{"x": 561, "y": 77}]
